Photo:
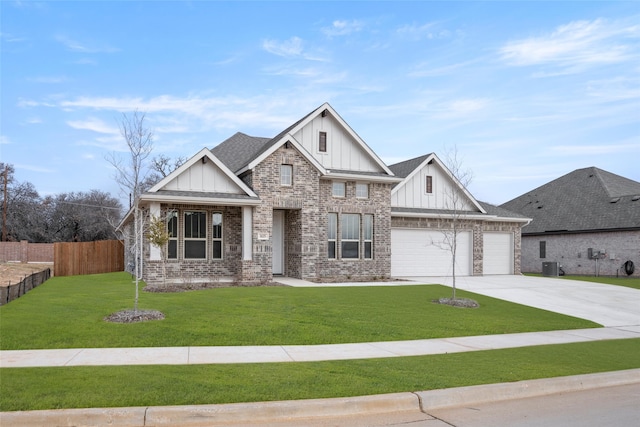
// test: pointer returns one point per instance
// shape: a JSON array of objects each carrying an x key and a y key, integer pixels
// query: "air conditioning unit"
[{"x": 550, "y": 269}]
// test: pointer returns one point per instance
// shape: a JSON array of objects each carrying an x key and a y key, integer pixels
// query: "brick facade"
[{"x": 570, "y": 251}]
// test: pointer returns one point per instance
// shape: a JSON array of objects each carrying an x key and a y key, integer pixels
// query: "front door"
[{"x": 278, "y": 242}]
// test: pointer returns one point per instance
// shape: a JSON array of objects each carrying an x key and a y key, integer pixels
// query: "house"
[
  {"x": 424, "y": 208},
  {"x": 588, "y": 221},
  {"x": 315, "y": 203}
]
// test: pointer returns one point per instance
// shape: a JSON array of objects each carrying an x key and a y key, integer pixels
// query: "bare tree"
[
  {"x": 161, "y": 166},
  {"x": 456, "y": 204},
  {"x": 130, "y": 173}
]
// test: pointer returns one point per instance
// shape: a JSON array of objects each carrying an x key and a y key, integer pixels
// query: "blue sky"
[{"x": 526, "y": 91}]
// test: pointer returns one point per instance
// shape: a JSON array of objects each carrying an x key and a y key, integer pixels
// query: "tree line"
[{"x": 64, "y": 217}]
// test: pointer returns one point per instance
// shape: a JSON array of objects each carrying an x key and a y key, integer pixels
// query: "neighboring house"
[
  {"x": 314, "y": 202},
  {"x": 588, "y": 221},
  {"x": 423, "y": 208}
]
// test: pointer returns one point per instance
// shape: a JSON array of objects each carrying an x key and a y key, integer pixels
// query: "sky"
[{"x": 525, "y": 92}]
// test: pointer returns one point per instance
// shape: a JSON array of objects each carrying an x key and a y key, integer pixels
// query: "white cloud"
[
  {"x": 343, "y": 28},
  {"x": 591, "y": 150},
  {"x": 4, "y": 140},
  {"x": 81, "y": 47},
  {"x": 424, "y": 31},
  {"x": 574, "y": 46},
  {"x": 287, "y": 48},
  {"x": 95, "y": 125},
  {"x": 47, "y": 79}
]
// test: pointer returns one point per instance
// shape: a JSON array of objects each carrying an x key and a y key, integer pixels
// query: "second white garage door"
[
  {"x": 417, "y": 253},
  {"x": 497, "y": 253}
]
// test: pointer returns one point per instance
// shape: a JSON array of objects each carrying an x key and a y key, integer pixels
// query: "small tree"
[
  {"x": 455, "y": 203},
  {"x": 130, "y": 174},
  {"x": 159, "y": 237}
]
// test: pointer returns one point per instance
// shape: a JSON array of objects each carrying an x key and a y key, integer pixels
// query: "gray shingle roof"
[
  {"x": 588, "y": 199},
  {"x": 237, "y": 151},
  {"x": 241, "y": 149},
  {"x": 403, "y": 169}
]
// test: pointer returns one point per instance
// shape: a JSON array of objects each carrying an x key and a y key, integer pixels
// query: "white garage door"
[
  {"x": 497, "y": 253},
  {"x": 419, "y": 253}
]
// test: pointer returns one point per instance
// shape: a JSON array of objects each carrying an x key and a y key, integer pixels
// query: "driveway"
[{"x": 608, "y": 305}]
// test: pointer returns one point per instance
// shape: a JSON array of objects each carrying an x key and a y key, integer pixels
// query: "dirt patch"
[{"x": 12, "y": 273}]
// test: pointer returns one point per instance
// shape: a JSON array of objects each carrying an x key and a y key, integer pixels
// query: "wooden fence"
[
  {"x": 102, "y": 256},
  {"x": 11, "y": 292}
]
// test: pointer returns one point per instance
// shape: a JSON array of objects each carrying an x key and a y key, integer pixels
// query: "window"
[
  {"x": 332, "y": 235},
  {"x": 172, "y": 230},
  {"x": 362, "y": 191},
  {"x": 543, "y": 249},
  {"x": 429, "y": 184},
  {"x": 367, "y": 235},
  {"x": 195, "y": 235},
  {"x": 286, "y": 175},
  {"x": 322, "y": 142},
  {"x": 216, "y": 236},
  {"x": 338, "y": 189},
  {"x": 350, "y": 243}
]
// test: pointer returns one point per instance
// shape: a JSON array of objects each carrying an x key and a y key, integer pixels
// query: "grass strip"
[
  {"x": 123, "y": 386},
  {"x": 68, "y": 312}
]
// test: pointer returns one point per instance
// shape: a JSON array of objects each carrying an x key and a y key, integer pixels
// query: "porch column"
[
  {"x": 154, "y": 252},
  {"x": 247, "y": 233}
]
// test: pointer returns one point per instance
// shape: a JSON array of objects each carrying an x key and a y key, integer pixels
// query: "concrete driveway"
[{"x": 608, "y": 305}]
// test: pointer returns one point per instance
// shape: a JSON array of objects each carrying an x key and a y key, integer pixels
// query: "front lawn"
[
  {"x": 68, "y": 312},
  {"x": 122, "y": 386}
]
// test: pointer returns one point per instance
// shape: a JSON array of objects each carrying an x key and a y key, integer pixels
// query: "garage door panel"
[
  {"x": 423, "y": 253},
  {"x": 497, "y": 253}
]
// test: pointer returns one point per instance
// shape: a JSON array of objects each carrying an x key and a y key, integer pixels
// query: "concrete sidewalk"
[{"x": 300, "y": 353}]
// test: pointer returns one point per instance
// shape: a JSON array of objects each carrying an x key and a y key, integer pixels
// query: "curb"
[{"x": 221, "y": 414}]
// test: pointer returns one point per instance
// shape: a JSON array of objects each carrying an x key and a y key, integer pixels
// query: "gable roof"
[
  {"x": 411, "y": 167},
  {"x": 588, "y": 199},
  {"x": 242, "y": 152},
  {"x": 159, "y": 191}
]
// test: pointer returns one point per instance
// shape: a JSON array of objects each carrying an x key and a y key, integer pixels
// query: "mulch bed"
[
  {"x": 458, "y": 302},
  {"x": 132, "y": 316}
]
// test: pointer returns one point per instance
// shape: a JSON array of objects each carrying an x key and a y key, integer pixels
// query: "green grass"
[
  {"x": 629, "y": 282},
  {"x": 68, "y": 312},
  {"x": 123, "y": 386}
]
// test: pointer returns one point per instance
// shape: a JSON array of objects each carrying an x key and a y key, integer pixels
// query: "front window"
[
  {"x": 338, "y": 189},
  {"x": 332, "y": 235},
  {"x": 350, "y": 244},
  {"x": 172, "y": 230},
  {"x": 286, "y": 175},
  {"x": 195, "y": 235},
  {"x": 367, "y": 235},
  {"x": 543, "y": 249},
  {"x": 362, "y": 191},
  {"x": 216, "y": 235}
]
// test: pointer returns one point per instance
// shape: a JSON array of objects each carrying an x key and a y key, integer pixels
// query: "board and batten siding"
[
  {"x": 205, "y": 177},
  {"x": 413, "y": 194},
  {"x": 343, "y": 152}
]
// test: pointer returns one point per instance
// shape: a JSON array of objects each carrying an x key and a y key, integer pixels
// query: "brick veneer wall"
[
  {"x": 570, "y": 250},
  {"x": 477, "y": 228},
  {"x": 306, "y": 204},
  {"x": 199, "y": 270}
]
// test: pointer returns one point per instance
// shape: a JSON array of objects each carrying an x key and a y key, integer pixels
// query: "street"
[{"x": 613, "y": 406}]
